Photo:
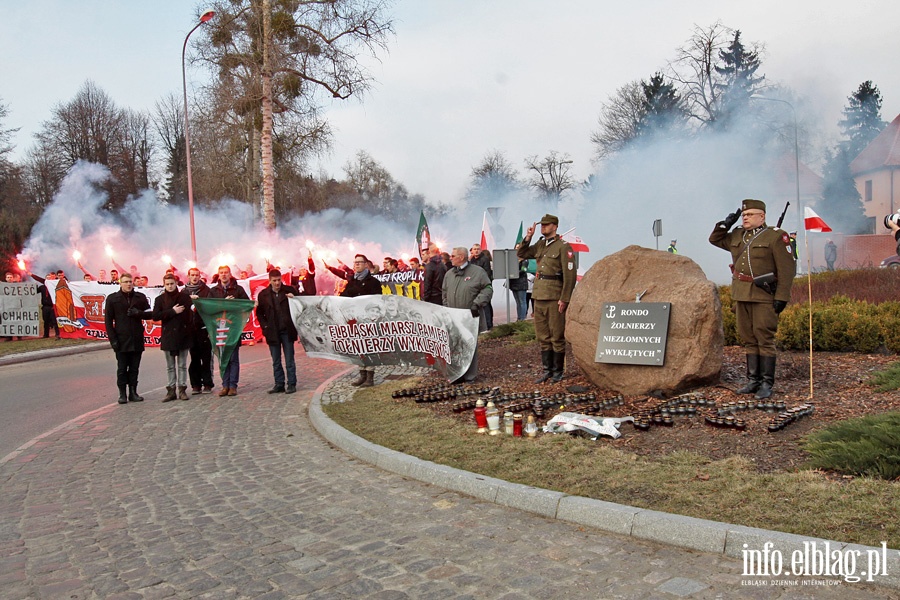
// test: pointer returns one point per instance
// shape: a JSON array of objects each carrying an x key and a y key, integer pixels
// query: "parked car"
[{"x": 891, "y": 262}]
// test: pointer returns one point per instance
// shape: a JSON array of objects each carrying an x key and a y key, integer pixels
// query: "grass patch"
[
  {"x": 887, "y": 380},
  {"x": 32, "y": 344},
  {"x": 520, "y": 331},
  {"x": 868, "y": 446},
  {"x": 859, "y": 510}
]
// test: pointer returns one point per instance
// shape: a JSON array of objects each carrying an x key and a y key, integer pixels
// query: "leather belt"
[
  {"x": 742, "y": 277},
  {"x": 553, "y": 277}
]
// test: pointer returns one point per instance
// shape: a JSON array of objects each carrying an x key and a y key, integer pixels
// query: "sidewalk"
[{"x": 241, "y": 498}]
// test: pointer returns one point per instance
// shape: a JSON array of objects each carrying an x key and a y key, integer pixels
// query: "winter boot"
[
  {"x": 195, "y": 390},
  {"x": 753, "y": 375},
  {"x": 559, "y": 365},
  {"x": 170, "y": 394},
  {"x": 547, "y": 363},
  {"x": 133, "y": 395},
  {"x": 767, "y": 372},
  {"x": 361, "y": 379},
  {"x": 122, "y": 398},
  {"x": 182, "y": 392},
  {"x": 370, "y": 379}
]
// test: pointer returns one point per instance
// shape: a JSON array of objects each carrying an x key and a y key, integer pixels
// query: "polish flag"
[
  {"x": 813, "y": 222},
  {"x": 487, "y": 240},
  {"x": 578, "y": 245}
]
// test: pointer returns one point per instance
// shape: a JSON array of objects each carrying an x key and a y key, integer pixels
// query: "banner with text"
[
  {"x": 20, "y": 309},
  {"x": 386, "y": 330}
]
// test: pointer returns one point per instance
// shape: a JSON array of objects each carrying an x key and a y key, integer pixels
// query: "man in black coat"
[
  {"x": 173, "y": 309},
  {"x": 274, "y": 316},
  {"x": 125, "y": 311},
  {"x": 433, "y": 280},
  {"x": 363, "y": 283},
  {"x": 200, "y": 367}
]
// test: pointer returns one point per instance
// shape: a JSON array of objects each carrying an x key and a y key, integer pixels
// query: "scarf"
[{"x": 362, "y": 275}]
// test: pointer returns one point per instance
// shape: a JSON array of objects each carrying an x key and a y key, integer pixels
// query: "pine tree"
[
  {"x": 862, "y": 118},
  {"x": 739, "y": 81},
  {"x": 661, "y": 106},
  {"x": 840, "y": 198}
]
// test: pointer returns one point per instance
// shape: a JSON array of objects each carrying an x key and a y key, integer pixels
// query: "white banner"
[
  {"x": 386, "y": 330},
  {"x": 20, "y": 309}
]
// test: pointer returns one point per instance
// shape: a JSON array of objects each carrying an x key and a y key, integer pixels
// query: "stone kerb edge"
[{"x": 678, "y": 530}]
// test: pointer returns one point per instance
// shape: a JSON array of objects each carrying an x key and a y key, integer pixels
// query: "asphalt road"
[{"x": 39, "y": 395}]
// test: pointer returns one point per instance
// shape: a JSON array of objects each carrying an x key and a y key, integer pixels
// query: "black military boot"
[
  {"x": 122, "y": 398},
  {"x": 361, "y": 379},
  {"x": 767, "y": 372},
  {"x": 752, "y": 374},
  {"x": 547, "y": 363},
  {"x": 559, "y": 365},
  {"x": 370, "y": 379},
  {"x": 133, "y": 395}
]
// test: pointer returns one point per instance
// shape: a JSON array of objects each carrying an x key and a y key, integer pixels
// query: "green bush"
[
  {"x": 868, "y": 446},
  {"x": 521, "y": 331}
]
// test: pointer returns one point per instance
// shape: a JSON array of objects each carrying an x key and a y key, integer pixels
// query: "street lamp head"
[{"x": 207, "y": 16}]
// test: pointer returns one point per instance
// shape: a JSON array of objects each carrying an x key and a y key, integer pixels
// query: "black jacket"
[
  {"x": 433, "y": 281},
  {"x": 126, "y": 333},
  {"x": 233, "y": 289},
  {"x": 484, "y": 261},
  {"x": 368, "y": 286},
  {"x": 177, "y": 328},
  {"x": 274, "y": 314},
  {"x": 202, "y": 292}
]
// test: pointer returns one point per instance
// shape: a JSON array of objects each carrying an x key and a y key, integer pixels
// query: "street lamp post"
[{"x": 187, "y": 136}]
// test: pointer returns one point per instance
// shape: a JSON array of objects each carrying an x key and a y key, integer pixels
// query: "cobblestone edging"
[{"x": 678, "y": 530}]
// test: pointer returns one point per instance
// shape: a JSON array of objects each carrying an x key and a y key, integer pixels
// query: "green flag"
[
  {"x": 521, "y": 234},
  {"x": 423, "y": 236},
  {"x": 224, "y": 320}
]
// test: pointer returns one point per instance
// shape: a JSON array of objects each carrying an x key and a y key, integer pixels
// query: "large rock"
[{"x": 695, "y": 339}]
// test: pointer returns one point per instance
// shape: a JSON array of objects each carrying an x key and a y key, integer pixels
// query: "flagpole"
[{"x": 809, "y": 289}]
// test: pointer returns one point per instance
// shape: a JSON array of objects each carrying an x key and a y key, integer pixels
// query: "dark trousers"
[
  {"x": 488, "y": 311},
  {"x": 233, "y": 369},
  {"x": 127, "y": 366},
  {"x": 200, "y": 370},
  {"x": 287, "y": 346},
  {"x": 49, "y": 320}
]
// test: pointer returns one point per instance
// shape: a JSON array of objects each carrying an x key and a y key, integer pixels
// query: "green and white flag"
[
  {"x": 423, "y": 236},
  {"x": 225, "y": 320}
]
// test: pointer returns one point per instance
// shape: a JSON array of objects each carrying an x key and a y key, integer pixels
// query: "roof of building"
[{"x": 883, "y": 151}]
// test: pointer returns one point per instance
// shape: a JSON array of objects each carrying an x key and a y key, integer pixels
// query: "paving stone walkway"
[{"x": 240, "y": 498}]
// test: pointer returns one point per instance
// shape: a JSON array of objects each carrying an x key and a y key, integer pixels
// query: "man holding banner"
[{"x": 228, "y": 347}]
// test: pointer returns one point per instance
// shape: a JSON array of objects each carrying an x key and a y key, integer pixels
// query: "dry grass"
[
  {"x": 32, "y": 344},
  {"x": 859, "y": 510}
]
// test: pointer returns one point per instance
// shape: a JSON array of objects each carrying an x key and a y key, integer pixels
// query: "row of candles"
[{"x": 487, "y": 418}]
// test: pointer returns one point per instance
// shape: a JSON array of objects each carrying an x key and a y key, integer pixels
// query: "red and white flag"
[
  {"x": 487, "y": 240},
  {"x": 813, "y": 222},
  {"x": 578, "y": 244}
]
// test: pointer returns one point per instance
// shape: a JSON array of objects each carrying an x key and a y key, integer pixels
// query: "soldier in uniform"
[
  {"x": 553, "y": 285},
  {"x": 757, "y": 250}
]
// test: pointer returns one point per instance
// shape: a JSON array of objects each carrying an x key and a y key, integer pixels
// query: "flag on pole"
[
  {"x": 578, "y": 245},
  {"x": 487, "y": 240},
  {"x": 521, "y": 235},
  {"x": 423, "y": 236},
  {"x": 813, "y": 222}
]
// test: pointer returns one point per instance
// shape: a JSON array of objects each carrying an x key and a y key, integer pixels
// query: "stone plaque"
[
  {"x": 20, "y": 309},
  {"x": 633, "y": 333}
]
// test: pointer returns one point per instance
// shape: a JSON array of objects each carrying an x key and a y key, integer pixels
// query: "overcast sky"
[{"x": 461, "y": 77}]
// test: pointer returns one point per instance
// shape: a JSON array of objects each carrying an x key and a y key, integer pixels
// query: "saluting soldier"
[
  {"x": 553, "y": 285},
  {"x": 757, "y": 251}
]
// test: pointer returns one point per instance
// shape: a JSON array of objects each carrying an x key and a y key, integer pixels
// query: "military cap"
[
  {"x": 751, "y": 204},
  {"x": 548, "y": 219}
]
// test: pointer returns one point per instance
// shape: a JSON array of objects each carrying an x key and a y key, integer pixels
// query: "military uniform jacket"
[
  {"x": 555, "y": 260},
  {"x": 754, "y": 253}
]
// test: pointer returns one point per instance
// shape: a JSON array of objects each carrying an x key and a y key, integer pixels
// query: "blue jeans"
[
  {"x": 285, "y": 344},
  {"x": 521, "y": 297},
  {"x": 232, "y": 370}
]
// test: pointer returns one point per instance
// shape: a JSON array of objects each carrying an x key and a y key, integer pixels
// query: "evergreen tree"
[
  {"x": 661, "y": 106},
  {"x": 738, "y": 81},
  {"x": 862, "y": 118},
  {"x": 840, "y": 198}
]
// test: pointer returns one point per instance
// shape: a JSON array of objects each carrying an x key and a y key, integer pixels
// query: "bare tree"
[
  {"x": 168, "y": 121},
  {"x": 619, "y": 119},
  {"x": 277, "y": 58},
  {"x": 493, "y": 178},
  {"x": 550, "y": 175}
]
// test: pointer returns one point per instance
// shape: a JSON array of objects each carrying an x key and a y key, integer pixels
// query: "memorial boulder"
[{"x": 693, "y": 348}]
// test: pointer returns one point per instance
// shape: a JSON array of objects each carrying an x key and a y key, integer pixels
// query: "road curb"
[
  {"x": 714, "y": 537},
  {"x": 14, "y": 359}
]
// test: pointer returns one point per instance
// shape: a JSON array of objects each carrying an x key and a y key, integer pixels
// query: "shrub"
[
  {"x": 521, "y": 331},
  {"x": 868, "y": 446}
]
